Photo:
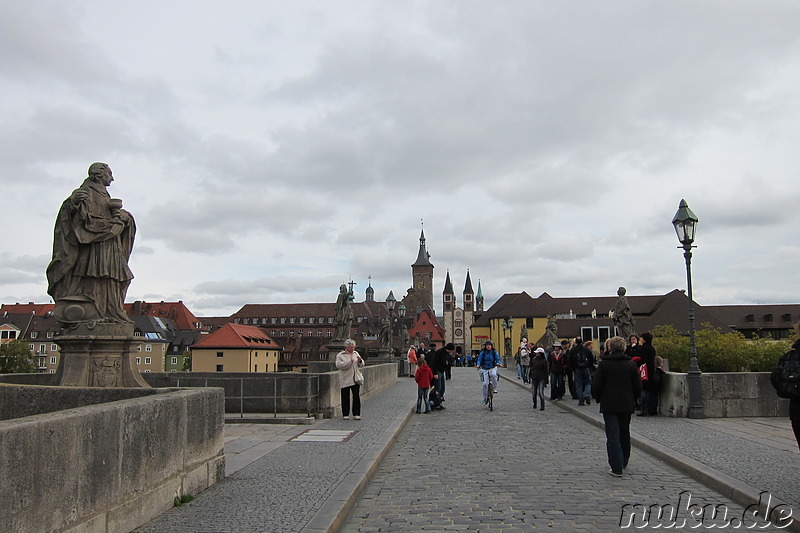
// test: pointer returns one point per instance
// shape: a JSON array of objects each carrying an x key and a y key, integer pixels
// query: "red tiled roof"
[
  {"x": 237, "y": 336},
  {"x": 176, "y": 311},
  {"x": 29, "y": 308}
]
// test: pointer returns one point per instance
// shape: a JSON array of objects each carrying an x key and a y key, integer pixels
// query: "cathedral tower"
[{"x": 422, "y": 276}]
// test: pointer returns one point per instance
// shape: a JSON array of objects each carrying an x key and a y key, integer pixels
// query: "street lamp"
[
  {"x": 391, "y": 301},
  {"x": 685, "y": 223},
  {"x": 508, "y": 323},
  {"x": 401, "y": 312}
]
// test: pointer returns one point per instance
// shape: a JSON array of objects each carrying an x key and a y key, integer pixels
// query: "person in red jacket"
[{"x": 423, "y": 377}]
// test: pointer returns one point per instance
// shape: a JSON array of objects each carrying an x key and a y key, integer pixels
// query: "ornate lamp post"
[
  {"x": 391, "y": 302},
  {"x": 508, "y": 324},
  {"x": 401, "y": 313},
  {"x": 685, "y": 223}
]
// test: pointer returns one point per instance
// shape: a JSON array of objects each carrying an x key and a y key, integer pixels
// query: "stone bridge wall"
[
  {"x": 75, "y": 459},
  {"x": 725, "y": 394}
]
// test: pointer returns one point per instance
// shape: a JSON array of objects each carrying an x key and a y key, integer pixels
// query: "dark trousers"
[
  {"x": 571, "y": 384},
  {"x": 440, "y": 384},
  {"x": 796, "y": 428},
  {"x": 618, "y": 440},
  {"x": 356, "y": 400}
]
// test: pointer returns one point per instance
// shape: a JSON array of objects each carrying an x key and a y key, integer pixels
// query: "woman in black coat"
[{"x": 616, "y": 386}]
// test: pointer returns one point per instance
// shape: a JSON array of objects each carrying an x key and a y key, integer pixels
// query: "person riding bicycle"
[{"x": 488, "y": 361}]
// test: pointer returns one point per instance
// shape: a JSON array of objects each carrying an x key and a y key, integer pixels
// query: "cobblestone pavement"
[
  {"x": 760, "y": 452},
  {"x": 284, "y": 489},
  {"x": 517, "y": 469}
]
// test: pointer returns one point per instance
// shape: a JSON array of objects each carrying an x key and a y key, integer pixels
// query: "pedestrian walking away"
[{"x": 616, "y": 386}]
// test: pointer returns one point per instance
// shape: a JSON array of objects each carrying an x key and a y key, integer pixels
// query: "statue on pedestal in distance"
[
  {"x": 344, "y": 314},
  {"x": 623, "y": 316},
  {"x": 89, "y": 276}
]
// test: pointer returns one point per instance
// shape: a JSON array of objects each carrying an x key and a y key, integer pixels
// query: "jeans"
[
  {"x": 422, "y": 394},
  {"x": 618, "y": 440},
  {"x": 525, "y": 373},
  {"x": 583, "y": 383},
  {"x": 356, "y": 400},
  {"x": 649, "y": 401},
  {"x": 556, "y": 386},
  {"x": 439, "y": 384},
  {"x": 519, "y": 371},
  {"x": 488, "y": 376},
  {"x": 537, "y": 390}
]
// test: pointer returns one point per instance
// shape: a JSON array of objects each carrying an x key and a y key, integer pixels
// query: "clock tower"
[{"x": 422, "y": 276}]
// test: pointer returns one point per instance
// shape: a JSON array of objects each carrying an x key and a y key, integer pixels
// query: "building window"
[
  {"x": 49, "y": 334},
  {"x": 587, "y": 334},
  {"x": 302, "y": 320},
  {"x": 768, "y": 317},
  {"x": 603, "y": 334},
  {"x": 220, "y": 368},
  {"x": 787, "y": 317},
  {"x": 138, "y": 360},
  {"x": 52, "y": 370},
  {"x": 147, "y": 360},
  {"x": 148, "y": 348},
  {"x": 137, "y": 333},
  {"x": 273, "y": 332},
  {"x": 319, "y": 333},
  {"x": 459, "y": 323},
  {"x": 448, "y": 306},
  {"x": 750, "y": 318},
  {"x": 245, "y": 321},
  {"x": 255, "y": 367},
  {"x": 54, "y": 347},
  {"x": 311, "y": 320},
  {"x": 220, "y": 354},
  {"x": 264, "y": 320},
  {"x": 174, "y": 360},
  {"x": 273, "y": 320},
  {"x": 283, "y": 320},
  {"x": 34, "y": 334},
  {"x": 303, "y": 355},
  {"x": 330, "y": 320},
  {"x": 330, "y": 333},
  {"x": 52, "y": 360},
  {"x": 323, "y": 355},
  {"x": 287, "y": 356},
  {"x": 43, "y": 348}
]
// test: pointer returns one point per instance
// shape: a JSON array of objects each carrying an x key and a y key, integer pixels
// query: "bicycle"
[{"x": 490, "y": 388}]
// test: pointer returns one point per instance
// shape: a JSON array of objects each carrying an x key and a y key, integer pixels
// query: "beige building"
[{"x": 236, "y": 348}]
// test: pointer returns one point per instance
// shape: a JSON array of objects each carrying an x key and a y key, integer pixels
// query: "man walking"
[{"x": 439, "y": 362}]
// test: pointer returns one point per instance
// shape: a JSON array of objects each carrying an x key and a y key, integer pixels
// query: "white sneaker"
[
  {"x": 347, "y": 418},
  {"x": 356, "y": 418}
]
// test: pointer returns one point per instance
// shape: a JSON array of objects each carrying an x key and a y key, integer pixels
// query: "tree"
[
  {"x": 187, "y": 361},
  {"x": 15, "y": 358},
  {"x": 718, "y": 351}
]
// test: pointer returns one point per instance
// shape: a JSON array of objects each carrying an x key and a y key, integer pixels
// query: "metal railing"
[{"x": 310, "y": 399}]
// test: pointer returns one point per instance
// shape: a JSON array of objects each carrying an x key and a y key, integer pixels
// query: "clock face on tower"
[{"x": 423, "y": 285}]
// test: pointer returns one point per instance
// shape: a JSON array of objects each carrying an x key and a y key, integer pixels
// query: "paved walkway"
[{"x": 468, "y": 469}]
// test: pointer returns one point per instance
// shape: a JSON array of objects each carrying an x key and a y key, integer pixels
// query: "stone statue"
[
  {"x": 551, "y": 332},
  {"x": 383, "y": 336},
  {"x": 523, "y": 334},
  {"x": 623, "y": 316},
  {"x": 344, "y": 314},
  {"x": 89, "y": 276}
]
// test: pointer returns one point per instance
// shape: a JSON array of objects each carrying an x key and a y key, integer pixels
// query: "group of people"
[{"x": 431, "y": 370}]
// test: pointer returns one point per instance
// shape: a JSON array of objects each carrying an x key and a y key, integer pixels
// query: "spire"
[
  {"x": 370, "y": 291},
  {"x": 448, "y": 287},
  {"x": 468, "y": 285},
  {"x": 423, "y": 257},
  {"x": 479, "y": 298}
]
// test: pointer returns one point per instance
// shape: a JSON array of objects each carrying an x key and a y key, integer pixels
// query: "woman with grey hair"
[
  {"x": 616, "y": 386},
  {"x": 348, "y": 361}
]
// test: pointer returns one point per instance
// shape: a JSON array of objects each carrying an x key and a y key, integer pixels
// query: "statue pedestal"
[{"x": 102, "y": 356}]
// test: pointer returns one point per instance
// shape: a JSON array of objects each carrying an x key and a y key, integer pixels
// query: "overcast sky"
[{"x": 271, "y": 150}]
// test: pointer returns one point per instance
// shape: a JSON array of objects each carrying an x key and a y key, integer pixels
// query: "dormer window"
[
  {"x": 787, "y": 317},
  {"x": 768, "y": 317},
  {"x": 750, "y": 318}
]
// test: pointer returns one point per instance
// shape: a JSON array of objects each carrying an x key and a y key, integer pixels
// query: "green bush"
[{"x": 718, "y": 351}]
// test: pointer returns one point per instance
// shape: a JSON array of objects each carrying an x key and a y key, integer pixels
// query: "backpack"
[
  {"x": 581, "y": 361},
  {"x": 785, "y": 377}
]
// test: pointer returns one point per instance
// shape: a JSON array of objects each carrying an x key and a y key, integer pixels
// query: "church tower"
[
  {"x": 422, "y": 276},
  {"x": 370, "y": 292},
  {"x": 479, "y": 299},
  {"x": 449, "y": 309}
]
